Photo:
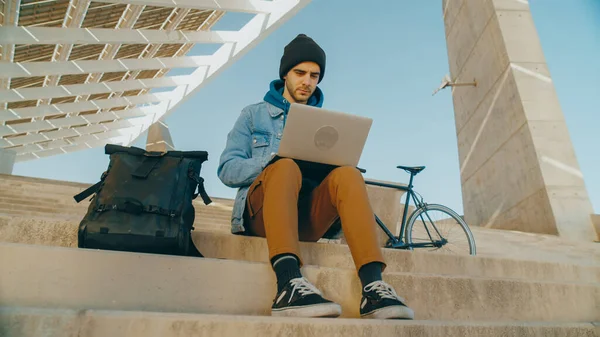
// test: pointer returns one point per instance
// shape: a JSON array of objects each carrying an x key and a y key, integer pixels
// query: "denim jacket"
[{"x": 250, "y": 144}]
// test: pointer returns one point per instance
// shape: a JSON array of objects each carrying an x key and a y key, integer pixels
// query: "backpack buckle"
[{"x": 154, "y": 154}]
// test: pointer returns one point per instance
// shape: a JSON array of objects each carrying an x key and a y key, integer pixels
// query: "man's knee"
[
  {"x": 347, "y": 174},
  {"x": 287, "y": 167}
]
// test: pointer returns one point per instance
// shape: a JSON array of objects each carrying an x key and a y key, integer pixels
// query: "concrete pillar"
[
  {"x": 517, "y": 164},
  {"x": 159, "y": 138},
  {"x": 7, "y": 161}
]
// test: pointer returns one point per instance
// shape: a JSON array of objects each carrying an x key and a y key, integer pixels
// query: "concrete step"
[
  {"x": 51, "y": 199},
  {"x": 496, "y": 243},
  {"x": 201, "y": 220},
  {"x": 6, "y": 207},
  {"x": 11, "y": 199},
  {"x": 34, "y": 322},
  {"x": 40, "y": 187},
  {"x": 61, "y": 230},
  {"x": 39, "y": 215},
  {"x": 48, "y": 200},
  {"x": 15, "y": 180},
  {"x": 234, "y": 247},
  {"x": 541, "y": 247},
  {"x": 56, "y": 211},
  {"x": 33, "y": 187},
  {"x": 499, "y": 243},
  {"x": 10, "y": 204},
  {"x": 215, "y": 241},
  {"x": 41, "y": 199},
  {"x": 91, "y": 279}
]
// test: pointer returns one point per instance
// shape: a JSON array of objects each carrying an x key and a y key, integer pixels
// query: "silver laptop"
[{"x": 324, "y": 136}]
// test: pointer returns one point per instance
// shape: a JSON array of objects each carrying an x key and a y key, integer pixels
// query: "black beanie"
[{"x": 301, "y": 49}]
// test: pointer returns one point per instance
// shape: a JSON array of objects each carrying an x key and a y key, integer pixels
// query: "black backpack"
[{"x": 143, "y": 202}]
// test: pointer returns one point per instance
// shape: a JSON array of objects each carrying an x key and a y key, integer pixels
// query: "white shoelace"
[
  {"x": 384, "y": 290},
  {"x": 303, "y": 287}
]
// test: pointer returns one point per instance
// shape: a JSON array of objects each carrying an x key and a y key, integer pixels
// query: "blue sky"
[{"x": 383, "y": 63}]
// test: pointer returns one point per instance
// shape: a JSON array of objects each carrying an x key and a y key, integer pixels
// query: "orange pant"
[{"x": 274, "y": 211}]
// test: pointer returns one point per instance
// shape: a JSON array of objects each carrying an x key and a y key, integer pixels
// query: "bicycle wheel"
[{"x": 438, "y": 222}]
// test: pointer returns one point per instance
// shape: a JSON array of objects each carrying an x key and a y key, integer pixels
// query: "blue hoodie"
[{"x": 275, "y": 97}]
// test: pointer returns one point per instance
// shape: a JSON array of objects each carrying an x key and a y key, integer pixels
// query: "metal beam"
[
  {"x": 69, "y": 136},
  {"x": 19, "y": 95},
  {"x": 254, "y": 31},
  {"x": 79, "y": 142},
  {"x": 57, "y": 35},
  {"x": 247, "y": 6},
  {"x": 93, "y": 123},
  {"x": 73, "y": 18},
  {"x": 258, "y": 28},
  {"x": 185, "y": 48},
  {"x": 10, "y": 18},
  {"x": 177, "y": 15},
  {"x": 32, "y": 69},
  {"x": 94, "y": 119},
  {"x": 56, "y": 148},
  {"x": 127, "y": 21},
  {"x": 175, "y": 18},
  {"x": 54, "y": 109},
  {"x": 79, "y": 135}
]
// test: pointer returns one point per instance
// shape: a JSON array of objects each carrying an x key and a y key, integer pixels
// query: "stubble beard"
[{"x": 292, "y": 92}]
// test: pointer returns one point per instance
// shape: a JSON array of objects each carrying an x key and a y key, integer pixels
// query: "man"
[{"x": 277, "y": 201}]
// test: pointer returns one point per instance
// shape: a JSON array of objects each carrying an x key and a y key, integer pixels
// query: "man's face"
[{"x": 301, "y": 82}]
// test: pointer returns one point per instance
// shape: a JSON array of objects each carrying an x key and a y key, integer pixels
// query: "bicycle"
[{"x": 422, "y": 208}]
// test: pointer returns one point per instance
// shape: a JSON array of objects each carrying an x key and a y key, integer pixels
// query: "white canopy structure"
[{"x": 77, "y": 74}]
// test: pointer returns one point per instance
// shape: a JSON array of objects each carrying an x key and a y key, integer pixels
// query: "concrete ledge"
[
  {"x": 224, "y": 245},
  {"x": 52, "y": 277},
  {"x": 28, "y": 322}
]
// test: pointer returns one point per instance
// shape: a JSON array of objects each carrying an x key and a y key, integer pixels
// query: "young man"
[{"x": 279, "y": 202}]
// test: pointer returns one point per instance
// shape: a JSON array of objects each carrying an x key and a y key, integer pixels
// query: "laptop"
[{"x": 323, "y": 136}]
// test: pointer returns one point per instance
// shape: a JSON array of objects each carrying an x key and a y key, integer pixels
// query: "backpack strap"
[
  {"x": 87, "y": 192},
  {"x": 146, "y": 167},
  {"x": 133, "y": 206},
  {"x": 201, "y": 190}
]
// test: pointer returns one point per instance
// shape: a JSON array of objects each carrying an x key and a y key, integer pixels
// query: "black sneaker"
[
  {"x": 380, "y": 301},
  {"x": 300, "y": 298}
]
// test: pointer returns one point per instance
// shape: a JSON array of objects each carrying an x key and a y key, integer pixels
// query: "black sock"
[
  {"x": 286, "y": 267},
  {"x": 370, "y": 272}
]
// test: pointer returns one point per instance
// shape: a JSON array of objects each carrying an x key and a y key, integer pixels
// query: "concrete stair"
[
  {"x": 99, "y": 323},
  {"x": 221, "y": 245},
  {"x": 48, "y": 199},
  {"x": 50, "y": 288},
  {"x": 92, "y": 279},
  {"x": 102, "y": 323}
]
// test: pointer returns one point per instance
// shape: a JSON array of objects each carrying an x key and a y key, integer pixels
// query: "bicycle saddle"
[{"x": 414, "y": 170}]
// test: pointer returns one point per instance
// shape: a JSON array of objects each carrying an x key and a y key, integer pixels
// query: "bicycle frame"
[{"x": 398, "y": 243}]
